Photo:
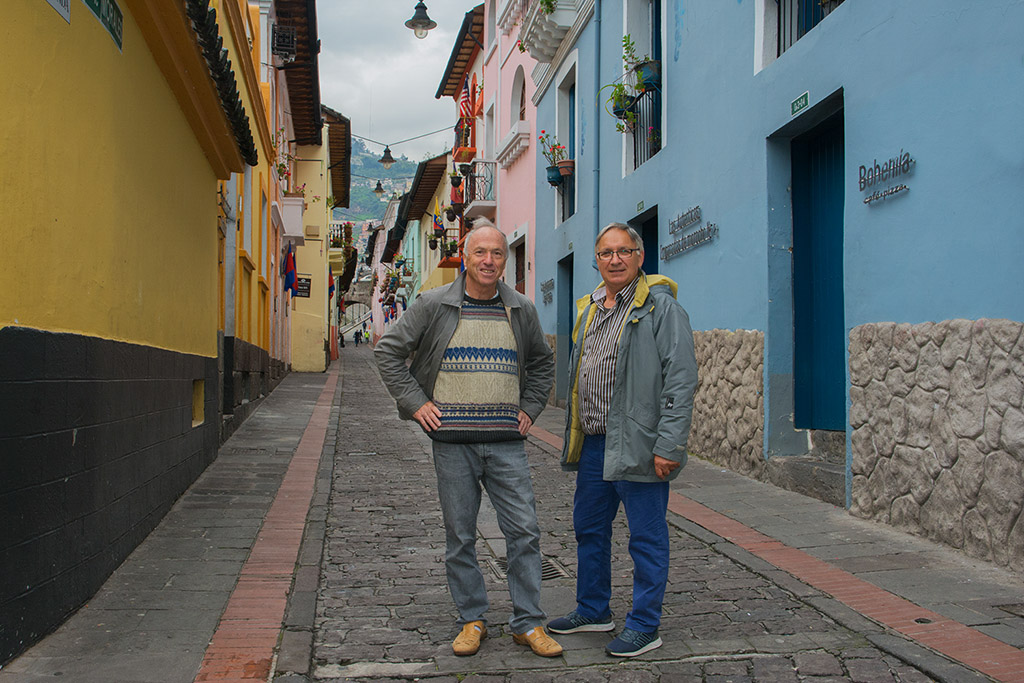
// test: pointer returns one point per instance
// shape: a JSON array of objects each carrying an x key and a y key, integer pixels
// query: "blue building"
[{"x": 837, "y": 189}]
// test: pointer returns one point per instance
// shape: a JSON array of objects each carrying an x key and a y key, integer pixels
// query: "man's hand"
[
  {"x": 524, "y": 423},
  {"x": 429, "y": 416},
  {"x": 663, "y": 466}
]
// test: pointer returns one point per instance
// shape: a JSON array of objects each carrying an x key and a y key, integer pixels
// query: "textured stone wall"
[
  {"x": 728, "y": 410},
  {"x": 938, "y": 432}
]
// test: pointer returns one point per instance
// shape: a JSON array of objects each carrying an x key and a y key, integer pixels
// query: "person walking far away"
[
  {"x": 480, "y": 376},
  {"x": 356, "y": 336},
  {"x": 633, "y": 375}
]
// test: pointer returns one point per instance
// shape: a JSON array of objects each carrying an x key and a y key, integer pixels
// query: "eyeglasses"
[{"x": 623, "y": 253}]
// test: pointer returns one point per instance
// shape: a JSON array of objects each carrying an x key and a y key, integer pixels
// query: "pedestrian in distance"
[
  {"x": 633, "y": 374},
  {"x": 356, "y": 336},
  {"x": 366, "y": 336},
  {"x": 480, "y": 376}
]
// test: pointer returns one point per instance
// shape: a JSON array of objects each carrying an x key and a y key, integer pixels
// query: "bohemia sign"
[{"x": 876, "y": 174}]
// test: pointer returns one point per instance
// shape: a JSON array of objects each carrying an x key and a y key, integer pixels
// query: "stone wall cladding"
[
  {"x": 938, "y": 432},
  {"x": 728, "y": 410}
]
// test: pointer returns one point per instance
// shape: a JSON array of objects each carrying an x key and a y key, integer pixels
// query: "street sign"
[
  {"x": 63, "y": 8},
  {"x": 799, "y": 104},
  {"x": 110, "y": 16}
]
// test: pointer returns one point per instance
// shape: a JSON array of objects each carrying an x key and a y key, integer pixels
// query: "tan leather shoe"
[
  {"x": 540, "y": 642},
  {"x": 468, "y": 641}
]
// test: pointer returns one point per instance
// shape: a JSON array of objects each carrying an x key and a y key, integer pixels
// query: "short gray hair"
[
  {"x": 480, "y": 224},
  {"x": 638, "y": 241}
]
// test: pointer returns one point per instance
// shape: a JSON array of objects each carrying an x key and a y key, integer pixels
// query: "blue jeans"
[
  {"x": 504, "y": 472},
  {"x": 594, "y": 508}
]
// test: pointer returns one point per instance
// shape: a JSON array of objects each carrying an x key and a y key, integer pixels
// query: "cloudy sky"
[{"x": 378, "y": 74}]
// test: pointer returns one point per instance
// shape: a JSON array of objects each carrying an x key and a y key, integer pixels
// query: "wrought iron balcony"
[
  {"x": 797, "y": 17},
  {"x": 480, "y": 189},
  {"x": 646, "y": 124}
]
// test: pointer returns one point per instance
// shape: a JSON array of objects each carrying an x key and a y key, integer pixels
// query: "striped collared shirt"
[{"x": 600, "y": 351}]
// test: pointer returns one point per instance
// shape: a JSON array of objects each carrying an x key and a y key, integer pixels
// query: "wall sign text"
[
  {"x": 878, "y": 174},
  {"x": 546, "y": 288}
]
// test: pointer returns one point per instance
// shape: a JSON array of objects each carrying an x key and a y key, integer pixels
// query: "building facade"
[
  {"x": 805, "y": 171},
  {"x": 108, "y": 330}
]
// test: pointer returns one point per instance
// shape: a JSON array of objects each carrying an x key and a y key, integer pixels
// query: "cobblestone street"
[{"x": 384, "y": 612}]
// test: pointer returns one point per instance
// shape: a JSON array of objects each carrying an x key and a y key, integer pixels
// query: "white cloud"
[{"x": 378, "y": 74}]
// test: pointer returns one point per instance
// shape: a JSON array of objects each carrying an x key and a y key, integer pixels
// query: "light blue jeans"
[{"x": 504, "y": 472}]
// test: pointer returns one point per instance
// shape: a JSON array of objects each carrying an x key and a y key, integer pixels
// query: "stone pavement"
[
  {"x": 765, "y": 585},
  {"x": 383, "y": 611}
]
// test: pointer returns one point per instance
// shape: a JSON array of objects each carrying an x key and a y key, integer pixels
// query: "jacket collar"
[
  {"x": 643, "y": 288},
  {"x": 456, "y": 293}
]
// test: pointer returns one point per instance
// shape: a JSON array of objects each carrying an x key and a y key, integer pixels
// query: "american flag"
[{"x": 465, "y": 106}]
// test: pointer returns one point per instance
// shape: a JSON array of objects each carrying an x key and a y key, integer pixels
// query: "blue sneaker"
[
  {"x": 631, "y": 643},
  {"x": 573, "y": 622}
]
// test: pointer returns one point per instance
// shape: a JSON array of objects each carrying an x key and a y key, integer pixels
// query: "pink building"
[{"x": 487, "y": 77}]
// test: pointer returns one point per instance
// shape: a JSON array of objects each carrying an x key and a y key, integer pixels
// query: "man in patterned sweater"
[{"x": 480, "y": 375}]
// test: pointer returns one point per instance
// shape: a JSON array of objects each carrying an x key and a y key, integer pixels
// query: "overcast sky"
[{"x": 378, "y": 74}]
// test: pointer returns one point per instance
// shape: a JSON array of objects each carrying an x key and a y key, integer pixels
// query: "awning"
[{"x": 394, "y": 242}]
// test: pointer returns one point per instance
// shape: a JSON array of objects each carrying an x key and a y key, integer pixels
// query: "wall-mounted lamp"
[
  {"x": 386, "y": 160},
  {"x": 420, "y": 22}
]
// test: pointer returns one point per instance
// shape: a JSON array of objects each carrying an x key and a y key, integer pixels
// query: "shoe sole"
[
  {"x": 646, "y": 648},
  {"x": 585, "y": 628}
]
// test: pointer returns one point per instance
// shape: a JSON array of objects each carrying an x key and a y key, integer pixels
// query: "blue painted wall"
[{"x": 940, "y": 79}]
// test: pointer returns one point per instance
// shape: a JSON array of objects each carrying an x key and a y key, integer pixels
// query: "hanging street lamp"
[{"x": 420, "y": 22}]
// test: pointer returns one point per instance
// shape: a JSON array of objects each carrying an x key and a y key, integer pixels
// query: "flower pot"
[
  {"x": 465, "y": 169},
  {"x": 456, "y": 180},
  {"x": 622, "y": 107},
  {"x": 450, "y": 215},
  {"x": 648, "y": 75},
  {"x": 432, "y": 243},
  {"x": 566, "y": 166},
  {"x": 554, "y": 176},
  {"x": 438, "y": 233}
]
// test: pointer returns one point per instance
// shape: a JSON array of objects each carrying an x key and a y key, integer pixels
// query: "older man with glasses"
[{"x": 633, "y": 375}]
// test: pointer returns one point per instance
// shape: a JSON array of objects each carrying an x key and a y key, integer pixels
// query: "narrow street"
[{"x": 312, "y": 550}]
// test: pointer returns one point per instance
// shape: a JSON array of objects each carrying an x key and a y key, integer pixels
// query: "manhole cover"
[
  {"x": 1017, "y": 608},
  {"x": 549, "y": 568}
]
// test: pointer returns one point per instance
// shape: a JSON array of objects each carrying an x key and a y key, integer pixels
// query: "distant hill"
[{"x": 363, "y": 203}]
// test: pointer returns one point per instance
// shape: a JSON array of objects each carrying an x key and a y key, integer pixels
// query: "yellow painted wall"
[
  {"x": 252, "y": 315},
  {"x": 110, "y": 225},
  {"x": 309, "y": 317}
]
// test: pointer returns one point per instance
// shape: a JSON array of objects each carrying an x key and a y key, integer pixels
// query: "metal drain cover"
[{"x": 549, "y": 568}]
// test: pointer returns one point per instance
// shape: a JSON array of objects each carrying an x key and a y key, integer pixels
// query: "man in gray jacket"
[
  {"x": 480, "y": 376},
  {"x": 633, "y": 374}
]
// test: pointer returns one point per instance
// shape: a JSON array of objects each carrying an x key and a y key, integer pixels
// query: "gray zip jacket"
[
  {"x": 652, "y": 396},
  {"x": 427, "y": 327}
]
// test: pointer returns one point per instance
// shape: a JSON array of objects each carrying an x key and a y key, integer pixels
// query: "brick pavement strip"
[{"x": 383, "y": 611}]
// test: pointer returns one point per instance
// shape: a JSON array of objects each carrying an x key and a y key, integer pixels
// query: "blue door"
[{"x": 819, "y": 339}]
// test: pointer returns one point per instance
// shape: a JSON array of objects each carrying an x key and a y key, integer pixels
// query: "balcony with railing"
[
  {"x": 480, "y": 196},
  {"x": 646, "y": 125},
  {"x": 797, "y": 17}
]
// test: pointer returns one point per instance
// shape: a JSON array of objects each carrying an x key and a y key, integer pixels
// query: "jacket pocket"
[{"x": 638, "y": 443}]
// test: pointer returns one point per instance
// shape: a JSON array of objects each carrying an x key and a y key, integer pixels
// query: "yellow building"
[
  {"x": 431, "y": 189},
  {"x": 145, "y": 221}
]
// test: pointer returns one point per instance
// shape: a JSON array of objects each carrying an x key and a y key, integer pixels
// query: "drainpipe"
[{"x": 597, "y": 124}]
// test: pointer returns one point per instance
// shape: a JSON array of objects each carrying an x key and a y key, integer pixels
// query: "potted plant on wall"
[
  {"x": 456, "y": 179},
  {"x": 558, "y": 162},
  {"x": 647, "y": 70},
  {"x": 432, "y": 243}
]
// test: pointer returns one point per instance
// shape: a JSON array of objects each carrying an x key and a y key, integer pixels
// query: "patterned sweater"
[{"x": 477, "y": 387}]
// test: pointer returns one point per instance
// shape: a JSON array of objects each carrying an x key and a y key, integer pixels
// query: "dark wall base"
[
  {"x": 253, "y": 374},
  {"x": 96, "y": 444}
]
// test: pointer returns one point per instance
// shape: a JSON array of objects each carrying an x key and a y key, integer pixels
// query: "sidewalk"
[{"x": 326, "y": 490}]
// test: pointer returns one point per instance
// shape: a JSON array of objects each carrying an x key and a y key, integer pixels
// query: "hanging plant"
[{"x": 432, "y": 243}]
